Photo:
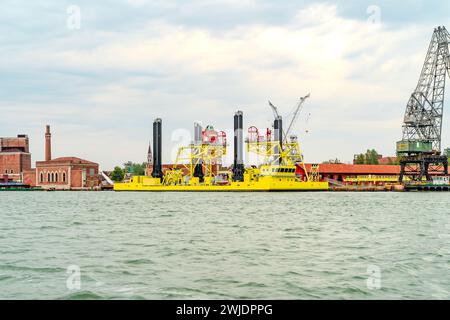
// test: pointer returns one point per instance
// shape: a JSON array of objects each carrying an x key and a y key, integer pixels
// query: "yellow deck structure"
[
  {"x": 265, "y": 178},
  {"x": 278, "y": 172}
]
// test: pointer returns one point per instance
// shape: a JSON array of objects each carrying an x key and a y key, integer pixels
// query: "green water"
[{"x": 226, "y": 246}]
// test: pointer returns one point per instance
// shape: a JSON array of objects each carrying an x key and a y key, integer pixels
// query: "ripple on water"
[
  {"x": 47, "y": 227},
  {"x": 83, "y": 295},
  {"x": 12, "y": 267},
  {"x": 139, "y": 261},
  {"x": 5, "y": 277},
  {"x": 280, "y": 245},
  {"x": 252, "y": 285}
]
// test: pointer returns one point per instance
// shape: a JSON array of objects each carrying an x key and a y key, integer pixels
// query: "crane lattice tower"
[{"x": 420, "y": 146}]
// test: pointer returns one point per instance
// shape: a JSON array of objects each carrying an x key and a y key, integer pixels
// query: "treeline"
[
  {"x": 135, "y": 169},
  {"x": 370, "y": 157}
]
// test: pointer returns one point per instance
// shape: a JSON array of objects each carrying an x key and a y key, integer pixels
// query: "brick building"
[
  {"x": 64, "y": 173},
  {"x": 15, "y": 157}
]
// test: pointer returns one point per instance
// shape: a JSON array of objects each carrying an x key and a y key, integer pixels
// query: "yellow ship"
[{"x": 196, "y": 164}]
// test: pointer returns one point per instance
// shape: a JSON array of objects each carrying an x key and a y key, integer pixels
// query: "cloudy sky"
[{"x": 99, "y": 72}]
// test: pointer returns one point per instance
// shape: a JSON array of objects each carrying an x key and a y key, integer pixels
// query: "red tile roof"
[
  {"x": 70, "y": 160},
  {"x": 357, "y": 169}
]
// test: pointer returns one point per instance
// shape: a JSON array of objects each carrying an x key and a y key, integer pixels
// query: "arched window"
[
  {"x": 42, "y": 177},
  {"x": 56, "y": 177},
  {"x": 64, "y": 177},
  {"x": 53, "y": 177},
  {"x": 48, "y": 177}
]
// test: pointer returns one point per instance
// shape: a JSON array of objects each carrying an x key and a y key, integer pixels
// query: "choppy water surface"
[{"x": 232, "y": 245}]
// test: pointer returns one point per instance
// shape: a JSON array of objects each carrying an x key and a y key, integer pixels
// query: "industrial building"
[
  {"x": 64, "y": 173},
  {"x": 15, "y": 157},
  {"x": 356, "y": 174}
]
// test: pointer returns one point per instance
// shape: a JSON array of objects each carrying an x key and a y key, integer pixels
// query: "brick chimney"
[{"x": 48, "y": 144}]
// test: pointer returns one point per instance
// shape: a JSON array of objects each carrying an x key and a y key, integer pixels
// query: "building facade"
[
  {"x": 64, "y": 173},
  {"x": 67, "y": 173},
  {"x": 15, "y": 158}
]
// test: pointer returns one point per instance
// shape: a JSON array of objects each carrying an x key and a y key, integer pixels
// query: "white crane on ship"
[{"x": 295, "y": 115}]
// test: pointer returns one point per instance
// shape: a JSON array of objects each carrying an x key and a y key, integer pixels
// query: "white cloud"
[{"x": 360, "y": 76}]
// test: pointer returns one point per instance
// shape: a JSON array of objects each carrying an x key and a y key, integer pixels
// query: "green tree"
[
  {"x": 135, "y": 168},
  {"x": 360, "y": 159},
  {"x": 370, "y": 157},
  {"x": 447, "y": 152},
  {"x": 117, "y": 174}
]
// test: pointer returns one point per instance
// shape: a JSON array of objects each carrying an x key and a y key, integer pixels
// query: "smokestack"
[
  {"x": 157, "y": 139},
  {"x": 198, "y": 170},
  {"x": 48, "y": 144},
  {"x": 278, "y": 135},
  {"x": 238, "y": 164}
]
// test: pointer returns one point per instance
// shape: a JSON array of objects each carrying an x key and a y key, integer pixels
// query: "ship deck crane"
[
  {"x": 276, "y": 115},
  {"x": 295, "y": 115},
  {"x": 274, "y": 110}
]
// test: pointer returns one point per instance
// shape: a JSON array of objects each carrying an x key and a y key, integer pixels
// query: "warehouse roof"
[
  {"x": 66, "y": 160},
  {"x": 356, "y": 169}
]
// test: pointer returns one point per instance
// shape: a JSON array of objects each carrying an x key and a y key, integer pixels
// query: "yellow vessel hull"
[{"x": 233, "y": 187}]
